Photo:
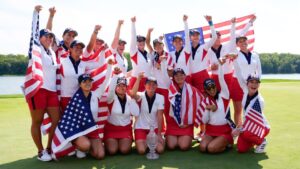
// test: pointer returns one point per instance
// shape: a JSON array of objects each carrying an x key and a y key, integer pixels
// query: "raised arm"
[
  {"x": 247, "y": 27},
  {"x": 224, "y": 88},
  {"x": 112, "y": 87},
  {"x": 133, "y": 48},
  {"x": 239, "y": 75},
  {"x": 90, "y": 46},
  {"x": 148, "y": 40},
  {"x": 213, "y": 38},
  {"x": 115, "y": 42},
  {"x": 187, "y": 46},
  {"x": 52, "y": 12},
  {"x": 135, "y": 88},
  {"x": 101, "y": 89}
]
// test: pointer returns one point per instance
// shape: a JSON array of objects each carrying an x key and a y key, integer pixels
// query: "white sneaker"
[
  {"x": 261, "y": 148},
  {"x": 44, "y": 156},
  {"x": 80, "y": 154}
]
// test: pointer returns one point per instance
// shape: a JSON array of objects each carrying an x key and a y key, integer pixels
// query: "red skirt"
[
  {"x": 117, "y": 132},
  {"x": 219, "y": 130},
  {"x": 174, "y": 130},
  {"x": 141, "y": 134},
  {"x": 197, "y": 80},
  {"x": 94, "y": 134},
  {"x": 227, "y": 78},
  {"x": 235, "y": 90}
]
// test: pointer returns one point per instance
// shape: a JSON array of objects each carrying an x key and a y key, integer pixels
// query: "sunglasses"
[{"x": 210, "y": 87}]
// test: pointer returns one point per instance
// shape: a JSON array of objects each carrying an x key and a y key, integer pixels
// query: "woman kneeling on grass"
[
  {"x": 255, "y": 126},
  {"x": 216, "y": 116},
  {"x": 118, "y": 129},
  {"x": 78, "y": 124},
  {"x": 151, "y": 114}
]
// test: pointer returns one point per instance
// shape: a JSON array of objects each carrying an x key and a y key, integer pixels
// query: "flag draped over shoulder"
[
  {"x": 222, "y": 27},
  {"x": 76, "y": 121},
  {"x": 34, "y": 73},
  {"x": 184, "y": 104}
]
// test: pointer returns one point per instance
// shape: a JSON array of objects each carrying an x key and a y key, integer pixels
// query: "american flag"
[
  {"x": 184, "y": 109},
  {"x": 222, "y": 27},
  {"x": 254, "y": 121},
  {"x": 76, "y": 121},
  {"x": 34, "y": 73}
]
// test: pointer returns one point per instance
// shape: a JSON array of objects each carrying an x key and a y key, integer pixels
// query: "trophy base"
[{"x": 152, "y": 156}]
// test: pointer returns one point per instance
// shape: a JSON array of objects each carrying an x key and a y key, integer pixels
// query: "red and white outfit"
[
  {"x": 250, "y": 64},
  {"x": 199, "y": 62},
  {"x": 147, "y": 117},
  {"x": 46, "y": 96},
  {"x": 217, "y": 123},
  {"x": 141, "y": 62},
  {"x": 119, "y": 122},
  {"x": 190, "y": 100},
  {"x": 181, "y": 59},
  {"x": 121, "y": 61},
  {"x": 255, "y": 124},
  {"x": 70, "y": 71},
  {"x": 230, "y": 47}
]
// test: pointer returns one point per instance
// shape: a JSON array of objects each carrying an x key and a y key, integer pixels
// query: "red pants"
[
  {"x": 235, "y": 90},
  {"x": 247, "y": 140},
  {"x": 43, "y": 99},
  {"x": 141, "y": 86},
  {"x": 227, "y": 78},
  {"x": 198, "y": 80},
  {"x": 64, "y": 101}
]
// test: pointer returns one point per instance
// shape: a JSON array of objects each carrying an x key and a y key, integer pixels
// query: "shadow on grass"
[{"x": 170, "y": 159}]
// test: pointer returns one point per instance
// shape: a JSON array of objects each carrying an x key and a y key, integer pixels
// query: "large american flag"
[
  {"x": 76, "y": 121},
  {"x": 254, "y": 121},
  {"x": 34, "y": 73},
  {"x": 222, "y": 27},
  {"x": 184, "y": 109}
]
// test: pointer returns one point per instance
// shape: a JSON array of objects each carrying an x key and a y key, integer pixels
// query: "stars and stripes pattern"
[
  {"x": 34, "y": 73},
  {"x": 76, "y": 121},
  {"x": 254, "y": 120},
  {"x": 185, "y": 106},
  {"x": 222, "y": 27}
]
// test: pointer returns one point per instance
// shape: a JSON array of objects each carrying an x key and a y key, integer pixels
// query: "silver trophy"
[{"x": 152, "y": 140}]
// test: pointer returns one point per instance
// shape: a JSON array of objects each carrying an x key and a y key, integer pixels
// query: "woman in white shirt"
[
  {"x": 151, "y": 114},
  {"x": 118, "y": 129}
]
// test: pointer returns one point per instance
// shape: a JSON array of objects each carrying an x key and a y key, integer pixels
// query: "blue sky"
[{"x": 276, "y": 28}]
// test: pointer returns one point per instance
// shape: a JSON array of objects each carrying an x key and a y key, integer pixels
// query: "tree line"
[{"x": 12, "y": 64}]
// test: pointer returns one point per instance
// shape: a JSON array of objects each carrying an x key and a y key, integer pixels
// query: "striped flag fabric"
[
  {"x": 184, "y": 109},
  {"x": 254, "y": 121},
  {"x": 222, "y": 27},
  {"x": 34, "y": 73}
]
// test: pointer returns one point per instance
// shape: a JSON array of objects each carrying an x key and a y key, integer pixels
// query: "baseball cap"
[
  {"x": 84, "y": 77},
  {"x": 45, "y": 32},
  {"x": 76, "y": 42}
]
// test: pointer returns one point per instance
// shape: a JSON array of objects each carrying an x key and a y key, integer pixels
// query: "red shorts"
[
  {"x": 174, "y": 130},
  {"x": 94, "y": 134},
  {"x": 141, "y": 134},
  {"x": 64, "y": 101},
  {"x": 227, "y": 78},
  {"x": 235, "y": 90},
  {"x": 165, "y": 93},
  {"x": 117, "y": 132},
  {"x": 247, "y": 140},
  {"x": 198, "y": 80},
  {"x": 43, "y": 99},
  {"x": 220, "y": 130},
  {"x": 141, "y": 86}
]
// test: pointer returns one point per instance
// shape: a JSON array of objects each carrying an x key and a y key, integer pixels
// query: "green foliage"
[{"x": 271, "y": 63}]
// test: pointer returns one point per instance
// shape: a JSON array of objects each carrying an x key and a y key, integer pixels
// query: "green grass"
[{"x": 283, "y": 151}]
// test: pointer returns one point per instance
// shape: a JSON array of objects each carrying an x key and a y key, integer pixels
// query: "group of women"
[{"x": 164, "y": 90}]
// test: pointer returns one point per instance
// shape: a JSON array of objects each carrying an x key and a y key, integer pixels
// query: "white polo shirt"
[
  {"x": 49, "y": 69},
  {"x": 145, "y": 118}
]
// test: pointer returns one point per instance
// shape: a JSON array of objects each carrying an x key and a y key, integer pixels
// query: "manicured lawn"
[{"x": 282, "y": 108}]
